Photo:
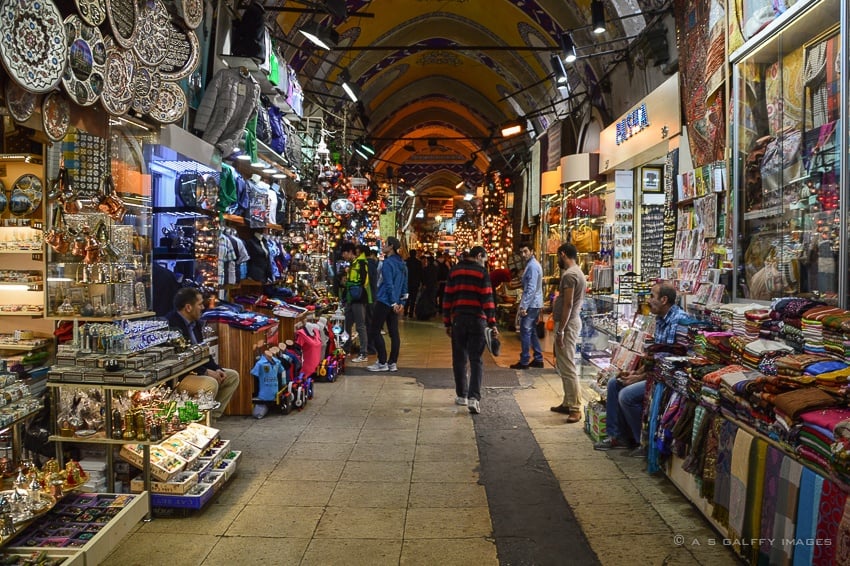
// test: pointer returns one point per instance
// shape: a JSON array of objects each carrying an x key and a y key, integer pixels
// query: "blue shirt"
[
  {"x": 393, "y": 281},
  {"x": 532, "y": 286},
  {"x": 665, "y": 327}
]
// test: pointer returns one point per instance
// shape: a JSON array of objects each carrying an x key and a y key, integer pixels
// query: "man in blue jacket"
[{"x": 388, "y": 305}]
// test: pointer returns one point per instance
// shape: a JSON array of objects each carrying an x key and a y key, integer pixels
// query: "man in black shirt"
[{"x": 414, "y": 279}]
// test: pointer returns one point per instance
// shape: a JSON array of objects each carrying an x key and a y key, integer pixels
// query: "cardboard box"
[
  {"x": 164, "y": 464},
  {"x": 195, "y": 498},
  {"x": 215, "y": 479},
  {"x": 594, "y": 421},
  {"x": 182, "y": 482}
]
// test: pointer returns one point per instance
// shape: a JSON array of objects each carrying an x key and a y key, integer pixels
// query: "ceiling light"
[
  {"x": 569, "y": 47},
  {"x": 558, "y": 69},
  {"x": 597, "y": 16},
  {"x": 410, "y": 192},
  {"x": 459, "y": 185},
  {"x": 349, "y": 91},
  {"x": 258, "y": 165},
  {"x": 323, "y": 37},
  {"x": 347, "y": 85},
  {"x": 438, "y": 218},
  {"x": 420, "y": 213},
  {"x": 511, "y": 130},
  {"x": 468, "y": 196},
  {"x": 269, "y": 170},
  {"x": 367, "y": 148},
  {"x": 279, "y": 176},
  {"x": 243, "y": 157}
]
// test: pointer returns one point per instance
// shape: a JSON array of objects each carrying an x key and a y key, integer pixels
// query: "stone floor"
[{"x": 381, "y": 469}]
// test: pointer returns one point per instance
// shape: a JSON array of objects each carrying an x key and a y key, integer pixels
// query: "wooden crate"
[{"x": 238, "y": 350}]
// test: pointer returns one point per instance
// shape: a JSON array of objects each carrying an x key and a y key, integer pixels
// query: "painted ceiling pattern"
[{"x": 419, "y": 80}]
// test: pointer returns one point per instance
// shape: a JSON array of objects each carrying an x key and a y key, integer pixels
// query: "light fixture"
[
  {"x": 558, "y": 69},
  {"x": 243, "y": 157},
  {"x": 347, "y": 85},
  {"x": 597, "y": 16},
  {"x": 511, "y": 129},
  {"x": 279, "y": 176},
  {"x": 410, "y": 192},
  {"x": 269, "y": 170},
  {"x": 568, "y": 46},
  {"x": 258, "y": 165},
  {"x": 459, "y": 185},
  {"x": 468, "y": 196},
  {"x": 323, "y": 37},
  {"x": 420, "y": 213},
  {"x": 438, "y": 218}
]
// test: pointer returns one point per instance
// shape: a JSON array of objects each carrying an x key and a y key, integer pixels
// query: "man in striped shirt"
[{"x": 468, "y": 308}]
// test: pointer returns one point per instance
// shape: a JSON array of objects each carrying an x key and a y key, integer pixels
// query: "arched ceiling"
[{"x": 438, "y": 78}]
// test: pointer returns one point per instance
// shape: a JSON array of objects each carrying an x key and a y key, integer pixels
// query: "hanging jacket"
[
  {"x": 277, "y": 128},
  {"x": 259, "y": 268},
  {"x": 229, "y": 101},
  {"x": 249, "y": 33}
]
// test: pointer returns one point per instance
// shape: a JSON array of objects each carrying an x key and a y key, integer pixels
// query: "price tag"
[
  {"x": 38, "y": 225},
  {"x": 38, "y": 257},
  {"x": 240, "y": 90}
]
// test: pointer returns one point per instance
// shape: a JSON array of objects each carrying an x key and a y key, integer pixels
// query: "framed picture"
[{"x": 651, "y": 179}]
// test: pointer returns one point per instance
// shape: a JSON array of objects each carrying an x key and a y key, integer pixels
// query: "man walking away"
[
  {"x": 567, "y": 314},
  {"x": 468, "y": 308},
  {"x": 414, "y": 279},
  {"x": 529, "y": 311},
  {"x": 389, "y": 303}
]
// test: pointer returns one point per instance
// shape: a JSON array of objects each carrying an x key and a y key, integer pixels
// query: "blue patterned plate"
[{"x": 33, "y": 43}]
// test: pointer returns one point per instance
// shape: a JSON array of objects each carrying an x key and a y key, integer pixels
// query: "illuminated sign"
[{"x": 632, "y": 123}]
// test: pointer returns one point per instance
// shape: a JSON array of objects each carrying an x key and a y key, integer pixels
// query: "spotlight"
[
  {"x": 511, "y": 129},
  {"x": 320, "y": 36},
  {"x": 597, "y": 16},
  {"x": 569, "y": 47},
  {"x": 558, "y": 69}
]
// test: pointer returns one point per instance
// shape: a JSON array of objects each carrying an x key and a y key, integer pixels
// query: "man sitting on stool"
[{"x": 221, "y": 382}]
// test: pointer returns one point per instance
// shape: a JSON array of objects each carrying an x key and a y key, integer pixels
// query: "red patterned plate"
[{"x": 55, "y": 116}]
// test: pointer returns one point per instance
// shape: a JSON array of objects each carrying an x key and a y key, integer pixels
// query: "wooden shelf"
[
  {"x": 30, "y": 314},
  {"x": 22, "y": 252},
  {"x": 22, "y": 348},
  {"x": 135, "y": 316}
]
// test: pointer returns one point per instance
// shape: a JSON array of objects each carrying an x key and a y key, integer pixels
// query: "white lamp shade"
[
  {"x": 579, "y": 167},
  {"x": 550, "y": 182}
]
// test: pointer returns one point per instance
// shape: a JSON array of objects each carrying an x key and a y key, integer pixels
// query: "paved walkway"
[{"x": 385, "y": 469}]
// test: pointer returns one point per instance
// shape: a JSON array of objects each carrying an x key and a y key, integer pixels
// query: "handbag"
[
  {"x": 585, "y": 206},
  {"x": 585, "y": 239},
  {"x": 553, "y": 242}
]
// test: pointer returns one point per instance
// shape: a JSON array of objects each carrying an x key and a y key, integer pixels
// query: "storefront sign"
[
  {"x": 644, "y": 132},
  {"x": 634, "y": 122}
]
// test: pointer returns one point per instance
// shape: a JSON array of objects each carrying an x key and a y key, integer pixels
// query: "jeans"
[
  {"x": 355, "y": 313},
  {"x": 384, "y": 313},
  {"x": 528, "y": 337},
  {"x": 565, "y": 365},
  {"x": 468, "y": 346},
  {"x": 624, "y": 408}
]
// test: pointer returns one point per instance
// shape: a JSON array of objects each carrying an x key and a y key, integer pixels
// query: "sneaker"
[
  {"x": 519, "y": 365},
  {"x": 392, "y": 367},
  {"x": 609, "y": 444},
  {"x": 493, "y": 343},
  {"x": 378, "y": 366},
  {"x": 639, "y": 452},
  {"x": 474, "y": 406},
  {"x": 536, "y": 364},
  {"x": 461, "y": 401},
  {"x": 360, "y": 359}
]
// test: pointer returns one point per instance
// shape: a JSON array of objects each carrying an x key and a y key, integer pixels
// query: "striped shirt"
[{"x": 468, "y": 292}]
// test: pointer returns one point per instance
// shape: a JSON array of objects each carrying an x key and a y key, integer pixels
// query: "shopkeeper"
[{"x": 221, "y": 382}]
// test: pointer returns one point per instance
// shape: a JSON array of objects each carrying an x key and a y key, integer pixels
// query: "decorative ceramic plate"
[
  {"x": 21, "y": 103},
  {"x": 26, "y": 194},
  {"x": 55, "y": 116},
  {"x": 123, "y": 19},
  {"x": 183, "y": 54},
  {"x": 117, "y": 96},
  {"x": 145, "y": 86},
  {"x": 33, "y": 43},
  {"x": 93, "y": 12},
  {"x": 170, "y": 104},
  {"x": 83, "y": 78},
  {"x": 151, "y": 45},
  {"x": 192, "y": 12}
]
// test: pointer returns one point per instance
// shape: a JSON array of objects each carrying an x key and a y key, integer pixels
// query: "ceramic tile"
[
  {"x": 448, "y": 436},
  {"x": 320, "y": 450},
  {"x": 444, "y": 472},
  {"x": 446, "y": 452},
  {"x": 143, "y": 549},
  {"x": 296, "y": 468},
  {"x": 256, "y": 550},
  {"x": 329, "y": 434},
  {"x": 382, "y": 436},
  {"x": 385, "y": 452},
  {"x": 377, "y": 471},
  {"x": 361, "y": 523},
  {"x": 310, "y": 493},
  {"x": 602, "y": 520},
  {"x": 589, "y": 469},
  {"x": 391, "y": 423}
]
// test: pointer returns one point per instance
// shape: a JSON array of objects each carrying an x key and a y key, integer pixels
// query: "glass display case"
[
  {"x": 788, "y": 108},
  {"x": 98, "y": 226}
]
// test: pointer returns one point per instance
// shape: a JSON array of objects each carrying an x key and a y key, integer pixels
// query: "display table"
[{"x": 238, "y": 350}]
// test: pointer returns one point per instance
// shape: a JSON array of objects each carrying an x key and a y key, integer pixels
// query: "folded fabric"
[
  {"x": 792, "y": 403},
  {"x": 825, "y": 367}
]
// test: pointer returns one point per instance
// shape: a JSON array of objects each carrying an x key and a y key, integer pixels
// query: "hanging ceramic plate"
[
  {"x": 33, "y": 44},
  {"x": 151, "y": 45},
  {"x": 145, "y": 86},
  {"x": 55, "y": 116},
  {"x": 182, "y": 56},
  {"x": 123, "y": 18},
  {"x": 192, "y": 12},
  {"x": 170, "y": 104},
  {"x": 83, "y": 78},
  {"x": 342, "y": 206},
  {"x": 21, "y": 103},
  {"x": 117, "y": 96},
  {"x": 93, "y": 12},
  {"x": 26, "y": 195}
]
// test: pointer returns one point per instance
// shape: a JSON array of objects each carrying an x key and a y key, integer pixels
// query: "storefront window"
[{"x": 788, "y": 101}]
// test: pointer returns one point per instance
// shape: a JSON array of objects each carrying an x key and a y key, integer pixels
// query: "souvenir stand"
[{"x": 759, "y": 400}]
